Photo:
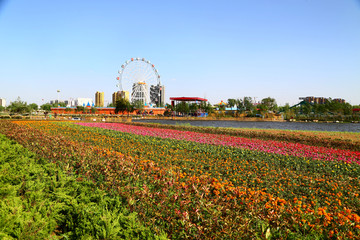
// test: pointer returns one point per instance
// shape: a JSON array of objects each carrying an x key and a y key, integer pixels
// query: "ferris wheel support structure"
[{"x": 138, "y": 75}]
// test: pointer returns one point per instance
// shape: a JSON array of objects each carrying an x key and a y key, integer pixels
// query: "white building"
[
  {"x": 85, "y": 102},
  {"x": 2, "y": 102}
]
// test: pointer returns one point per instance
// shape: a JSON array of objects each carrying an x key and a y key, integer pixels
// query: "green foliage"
[
  {"x": 46, "y": 107},
  {"x": 33, "y": 106},
  {"x": 206, "y": 107},
  {"x": 122, "y": 105},
  {"x": 80, "y": 109},
  {"x": 93, "y": 110},
  {"x": 269, "y": 103},
  {"x": 39, "y": 201},
  {"x": 193, "y": 107},
  {"x": 231, "y": 102},
  {"x": 19, "y": 106},
  {"x": 138, "y": 105},
  {"x": 182, "y": 107},
  {"x": 248, "y": 104}
]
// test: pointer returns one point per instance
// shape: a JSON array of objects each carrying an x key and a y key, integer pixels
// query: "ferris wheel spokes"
[{"x": 138, "y": 75}]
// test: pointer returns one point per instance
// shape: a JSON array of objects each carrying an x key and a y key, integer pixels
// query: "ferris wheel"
[{"x": 141, "y": 78}]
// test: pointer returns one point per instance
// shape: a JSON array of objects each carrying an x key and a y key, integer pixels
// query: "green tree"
[
  {"x": 93, "y": 110},
  {"x": 80, "y": 109},
  {"x": 347, "y": 108},
  {"x": 2, "y": 109},
  {"x": 122, "y": 105},
  {"x": 239, "y": 105},
  {"x": 248, "y": 104},
  {"x": 19, "y": 106},
  {"x": 46, "y": 107},
  {"x": 59, "y": 104},
  {"x": 129, "y": 108},
  {"x": 231, "y": 102},
  {"x": 270, "y": 103},
  {"x": 138, "y": 105},
  {"x": 262, "y": 109},
  {"x": 306, "y": 108},
  {"x": 206, "y": 107},
  {"x": 182, "y": 107},
  {"x": 193, "y": 107},
  {"x": 33, "y": 106}
]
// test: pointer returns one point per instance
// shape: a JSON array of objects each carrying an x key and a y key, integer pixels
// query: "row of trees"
[
  {"x": 245, "y": 105},
  {"x": 123, "y": 105},
  {"x": 189, "y": 108},
  {"x": 20, "y": 107},
  {"x": 330, "y": 108},
  {"x": 248, "y": 105}
]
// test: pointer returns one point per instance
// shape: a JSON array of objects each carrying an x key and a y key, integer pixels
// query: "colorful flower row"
[
  {"x": 283, "y": 148},
  {"x": 338, "y": 140}
]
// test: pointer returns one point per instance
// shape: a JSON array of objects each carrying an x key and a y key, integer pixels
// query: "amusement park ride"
[{"x": 141, "y": 76}]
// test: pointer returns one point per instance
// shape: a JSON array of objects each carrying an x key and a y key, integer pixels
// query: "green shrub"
[{"x": 39, "y": 201}]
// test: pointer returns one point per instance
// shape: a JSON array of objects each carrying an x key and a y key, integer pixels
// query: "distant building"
[
  {"x": 66, "y": 102},
  {"x": 320, "y": 100},
  {"x": 99, "y": 99},
  {"x": 85, "y": 102},
  {"x": 2, "y": 102},
  {"x": 339, "y": 100},
  {"x": 118, "y": 95},
  {"x": 157, "y": 95},
  {"x": 162, "y": 95}
]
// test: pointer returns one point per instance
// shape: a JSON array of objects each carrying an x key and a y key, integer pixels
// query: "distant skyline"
[{"x": 214, "y": 49}]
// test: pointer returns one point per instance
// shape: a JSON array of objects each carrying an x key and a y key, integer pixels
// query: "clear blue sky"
[{"x": 214, "y": 49}]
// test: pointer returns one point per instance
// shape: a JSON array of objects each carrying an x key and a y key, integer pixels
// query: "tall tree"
[
  {"x": 193, "y": 107},
  {"x": 231, "y": 102},
  {"x": 182, "y": 107},
  {"x": 270, "y": 103},
  {"x": 129, "y": 108},
  {"x": 248, "y": 104},
  {"x": 33, "y": 106},
  {"x": 19, "y": 106},
  {"x": 121, "y": 105},
  {"x": 138, "y": 105},
  {"x": 46, "y": 107},
  {"x": 239, "y": 105}
]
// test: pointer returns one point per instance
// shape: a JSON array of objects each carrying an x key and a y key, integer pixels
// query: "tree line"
[{"x": 245, "y": 106}]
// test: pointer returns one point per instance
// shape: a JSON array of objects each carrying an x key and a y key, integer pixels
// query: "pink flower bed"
[{"x": 283, "y": 148}]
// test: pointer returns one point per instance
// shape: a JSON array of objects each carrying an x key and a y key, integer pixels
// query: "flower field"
[
  {"x": 284, "y": 148},
  {"x": 208, "y": 186},
  {"x": 338, "y": 140}
]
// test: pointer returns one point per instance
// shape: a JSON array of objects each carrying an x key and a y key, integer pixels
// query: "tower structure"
[{"x": 140, "y": 93}]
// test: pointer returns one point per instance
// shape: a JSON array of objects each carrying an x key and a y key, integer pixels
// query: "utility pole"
[{"x": 58, "y": 91}]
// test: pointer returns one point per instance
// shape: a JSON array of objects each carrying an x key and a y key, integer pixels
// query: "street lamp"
[{"x": 58, "y": 91}]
